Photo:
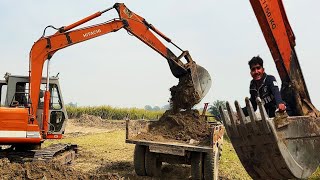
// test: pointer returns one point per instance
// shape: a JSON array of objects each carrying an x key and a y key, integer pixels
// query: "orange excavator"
[
  {"x": 282, "y": 147},
  {"x": 33, "y": 108}
]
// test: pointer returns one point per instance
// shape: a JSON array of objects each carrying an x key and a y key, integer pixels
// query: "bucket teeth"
[
  {"x": 241, "y": 118},
  {"x": 252, "y": 116},
  {"x": 264, "y": 115},
  {"x": 270, "y": 153},
  {"x": 232, "y": 119},
  {"x": 225, "y": 119}
]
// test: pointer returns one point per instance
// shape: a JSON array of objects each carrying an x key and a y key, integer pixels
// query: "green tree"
[
  {"x": 148, "y": 108},
  {"x": 156, "y": 108},
  {"x": 214, "y": 109}
]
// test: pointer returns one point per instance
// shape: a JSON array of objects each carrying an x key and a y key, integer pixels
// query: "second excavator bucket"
[{"x": 269, "y": 149}]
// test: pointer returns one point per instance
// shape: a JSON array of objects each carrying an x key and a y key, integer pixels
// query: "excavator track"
[
  {"x": 63, "y": 153},
  {"x": 60, "y": 153},
  {"x": 269, "y": 151}
]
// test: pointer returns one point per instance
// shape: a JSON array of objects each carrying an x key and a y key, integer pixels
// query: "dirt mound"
[
  {"x": 89, "y": 120},
  {"x": 184, "y": 96},
  {"x": 37, "y": 170},
  {"x": 48, "y": 170},
  {"x": 186, "y": 126}
]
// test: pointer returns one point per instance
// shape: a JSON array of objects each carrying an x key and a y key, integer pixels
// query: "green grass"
[
  {"x": 315, "y": 175},
  {"x": 230, "y": 166}
]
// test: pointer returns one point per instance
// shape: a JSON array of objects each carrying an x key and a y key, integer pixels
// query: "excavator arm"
[
  {"x": 46, "y": 46},
  {"x": 280, "y": 38}
]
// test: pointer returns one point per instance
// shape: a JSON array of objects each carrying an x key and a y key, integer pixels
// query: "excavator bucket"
[
  {"x": 201, "y": 80},
  {"x": 200, "y": 77},
  {"x": 273, "y": 148}
]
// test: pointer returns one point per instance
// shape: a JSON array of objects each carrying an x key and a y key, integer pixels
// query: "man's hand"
[{"x": 282, "y": 107}]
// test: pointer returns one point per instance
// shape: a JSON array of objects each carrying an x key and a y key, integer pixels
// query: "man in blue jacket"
[{"x": 264, "y": 86}]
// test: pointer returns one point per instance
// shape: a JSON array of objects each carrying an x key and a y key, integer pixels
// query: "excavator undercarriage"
[{"x": 60, "y": 153}]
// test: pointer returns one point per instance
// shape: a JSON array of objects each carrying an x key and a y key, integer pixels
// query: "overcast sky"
[{"x": 119, "y": 70}]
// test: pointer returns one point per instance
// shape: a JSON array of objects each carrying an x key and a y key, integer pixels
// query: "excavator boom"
[{"x": 46, "y": 46}]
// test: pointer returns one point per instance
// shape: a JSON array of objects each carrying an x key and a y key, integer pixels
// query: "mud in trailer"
[{"x": 149, "y": 155}]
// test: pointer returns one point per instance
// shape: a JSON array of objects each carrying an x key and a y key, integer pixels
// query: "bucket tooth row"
[{"x": 255, "y": 141}]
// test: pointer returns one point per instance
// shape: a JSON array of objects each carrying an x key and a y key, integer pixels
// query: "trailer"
[{"x": 149, "y": 155}]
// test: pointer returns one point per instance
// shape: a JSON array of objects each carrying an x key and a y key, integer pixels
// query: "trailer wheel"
[
  {"x": 152, "y": 164},
  {"x": 196, "y": 165},
  {"x": 139, "y": 160},
  {"x": 211, "y": 165}
]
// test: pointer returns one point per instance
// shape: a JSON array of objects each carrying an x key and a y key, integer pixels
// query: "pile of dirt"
[
  {"x": 89, "y": 120},
  {"x": 37, "y": 170},
  {"x": 184, "y": 96},
  {"x": 48, "y": 170},
  {"x": 181, "y": 126}
]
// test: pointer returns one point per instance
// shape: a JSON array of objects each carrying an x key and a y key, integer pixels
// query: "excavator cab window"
[
  {"x": 57, "y": 116},
  {"x": 56, "y": 120},
  {"x": 3, "y": 94},
  {"x": 21, "y": 94},
  {"x": 55, "y": 101}
]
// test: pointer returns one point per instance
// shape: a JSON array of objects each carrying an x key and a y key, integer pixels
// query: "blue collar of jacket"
[{"x": 254, "y": 83}]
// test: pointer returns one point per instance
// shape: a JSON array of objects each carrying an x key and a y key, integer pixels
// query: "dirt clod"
[{"x": 183, "y": 95}]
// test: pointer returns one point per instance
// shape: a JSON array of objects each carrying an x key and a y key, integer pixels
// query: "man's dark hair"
[{"x": 256, "y": 60}]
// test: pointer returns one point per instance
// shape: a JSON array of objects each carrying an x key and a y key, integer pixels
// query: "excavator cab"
[{"x": 15, "y": 93}]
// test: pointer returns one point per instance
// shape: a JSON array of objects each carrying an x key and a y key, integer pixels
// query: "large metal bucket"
[
  {"x": 201, "y": 78},
  {"x": 269, "y": 152}
]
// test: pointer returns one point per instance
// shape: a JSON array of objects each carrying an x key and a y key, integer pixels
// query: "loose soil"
[
  {"x": 183, "y": 95},
  {"x": 180, "y": 123},
  {"x": 184, "y": 126},
  {"x": 83, "y": 126}
]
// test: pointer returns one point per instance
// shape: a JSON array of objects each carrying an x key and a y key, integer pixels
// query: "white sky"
[{"x": 119, "y": 70}]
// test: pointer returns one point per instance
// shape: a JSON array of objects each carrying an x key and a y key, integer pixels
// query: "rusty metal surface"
[{"x": 268, "y": 152}]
